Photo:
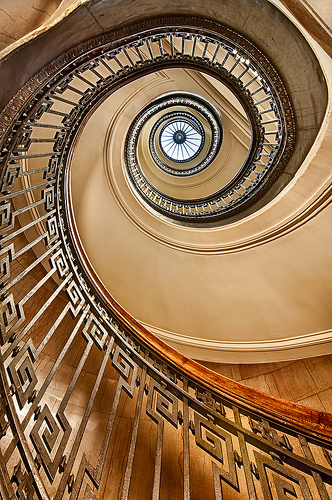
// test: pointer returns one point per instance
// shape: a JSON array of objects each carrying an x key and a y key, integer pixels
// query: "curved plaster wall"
[
  {"x": 247, "y": 291},
  {"x": 19, "y": 17}
]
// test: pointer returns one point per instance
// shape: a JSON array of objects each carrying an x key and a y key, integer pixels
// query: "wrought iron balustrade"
[{"x": 92, "y": 405}]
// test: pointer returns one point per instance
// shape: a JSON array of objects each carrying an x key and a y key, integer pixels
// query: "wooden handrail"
[
  {"x": 286, "y": 412},
  {"x": 136, "y": 382}
]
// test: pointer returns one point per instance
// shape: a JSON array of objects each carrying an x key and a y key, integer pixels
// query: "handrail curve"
[
  {"x": 309, "y": 419},
  {"x": 81, "y": 380}
]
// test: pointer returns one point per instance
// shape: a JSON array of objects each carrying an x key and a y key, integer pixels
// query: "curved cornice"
[
  {"x": 312, "y": 21},
  {"x": 278, "y": 223},
  {"x": 301, "y": 346},
  {"x": 289, "y": 211}
]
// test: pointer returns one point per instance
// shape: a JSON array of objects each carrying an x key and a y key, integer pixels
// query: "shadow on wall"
[
  {"x": 20, "y": 17},
  {"x": 306, "y": 382}
]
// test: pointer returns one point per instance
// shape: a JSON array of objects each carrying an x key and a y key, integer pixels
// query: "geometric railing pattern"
[
  {"x": 168, "y": 124},
  {"x": 93, "y": 406},
  {"x": 240, "y": 66}
]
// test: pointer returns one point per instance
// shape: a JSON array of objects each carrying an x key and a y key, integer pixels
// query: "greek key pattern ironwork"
[
  {"x": 87, "y": 410},
  {"x": 270, "y": 131}
]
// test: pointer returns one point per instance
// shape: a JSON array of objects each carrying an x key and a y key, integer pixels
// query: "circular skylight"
[
  {"x": 180, "y": 140},
  {"x": 184, "y": 130}
]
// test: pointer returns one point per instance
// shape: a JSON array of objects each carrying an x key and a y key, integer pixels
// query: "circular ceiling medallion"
[{"x": 182, "y": 135}]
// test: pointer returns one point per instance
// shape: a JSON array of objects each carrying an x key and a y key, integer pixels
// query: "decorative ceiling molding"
[
  {"x": 181, "y": 238},
  {"x": 257, "y": 351}
]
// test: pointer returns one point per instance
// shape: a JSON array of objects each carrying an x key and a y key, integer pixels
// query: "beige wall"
[
  {"x": 20, "y": 17},
  {"x": 305, "y": 381}
]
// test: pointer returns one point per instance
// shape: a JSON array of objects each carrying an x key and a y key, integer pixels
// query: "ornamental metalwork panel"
[{"x": 87, "y": 410}]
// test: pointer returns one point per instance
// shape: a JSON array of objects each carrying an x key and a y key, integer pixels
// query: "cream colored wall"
[
  {"x": 230, "y": 293},
  {"x": 306, "y": 382}
]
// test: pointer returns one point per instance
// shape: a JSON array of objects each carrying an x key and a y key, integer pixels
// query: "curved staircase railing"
[{"x": 92, "y": 405}]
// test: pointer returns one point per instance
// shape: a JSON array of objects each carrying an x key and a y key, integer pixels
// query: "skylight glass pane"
[{"x": 180, "y": 140}]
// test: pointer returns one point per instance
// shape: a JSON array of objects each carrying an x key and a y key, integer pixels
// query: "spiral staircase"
[{"x": 165, "y": 190}]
